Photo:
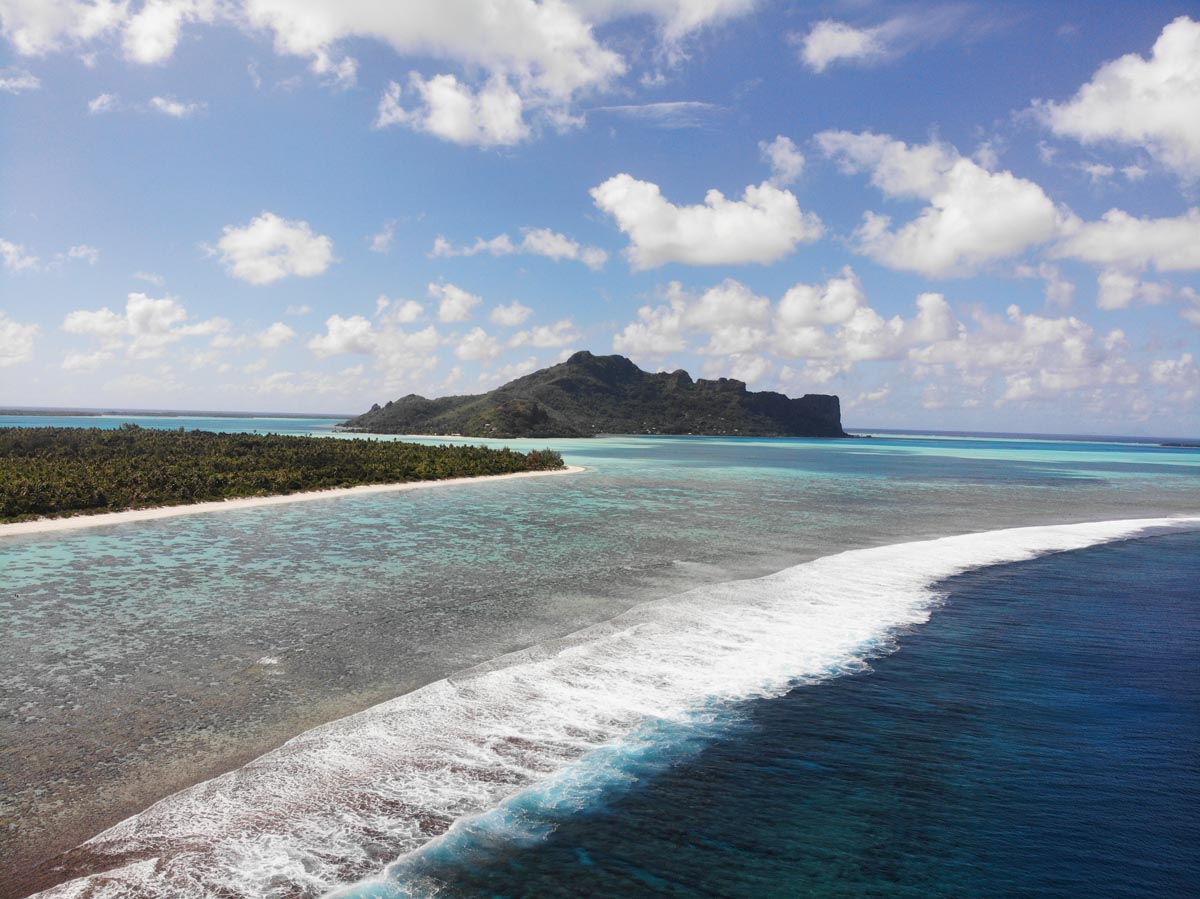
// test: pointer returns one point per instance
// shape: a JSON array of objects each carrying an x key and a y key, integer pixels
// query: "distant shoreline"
[{"x": 102, "y": 519}]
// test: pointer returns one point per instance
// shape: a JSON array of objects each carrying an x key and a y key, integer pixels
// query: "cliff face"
[{"x": 589, "y": 395}]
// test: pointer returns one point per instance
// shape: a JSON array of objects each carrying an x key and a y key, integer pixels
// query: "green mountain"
[{"x": 589, "y": 395}]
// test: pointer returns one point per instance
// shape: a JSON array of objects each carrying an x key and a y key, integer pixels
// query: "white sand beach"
[{"x": 78, "y": 522}]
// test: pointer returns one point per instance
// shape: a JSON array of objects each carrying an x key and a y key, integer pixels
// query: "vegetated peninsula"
[
  {"x": 589, "y": 395},
  {"x": 69, "y": 471}
]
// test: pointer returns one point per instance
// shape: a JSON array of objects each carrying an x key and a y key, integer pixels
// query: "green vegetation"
[
  {"x": 67, "y": 471},
  {"x": 589, "y": 395}
]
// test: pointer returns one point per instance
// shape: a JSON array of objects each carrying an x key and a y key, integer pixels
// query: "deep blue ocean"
[{"x": 1039, "y": 737}]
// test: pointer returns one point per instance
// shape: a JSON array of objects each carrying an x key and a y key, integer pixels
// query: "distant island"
[
  {"x": 70, "y": 471},
  {"x": 589, "y": 395}
]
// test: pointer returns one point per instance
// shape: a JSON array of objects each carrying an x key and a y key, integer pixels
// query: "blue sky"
[{"x": 960, "y": 216}]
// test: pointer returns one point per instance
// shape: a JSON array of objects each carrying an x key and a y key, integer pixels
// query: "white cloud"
[
  {"x": 86, "y": 252},
  {"x": 785, "y": 159},
  {"x": 1037, "y": 357},
  {"x": 349, "y": 382},
  {"x": 560, "y": 334},
  {"x": 867, "y": 398},
  {"x": 16, "y": 341},
  {"x": 15, "y": 258},
  {"x": 37, "y": 28},
  {"x": 401, "y": 312},
  {"x": 536, "y": 242},
  {"x": 511, "y": 315},
  {"x": 762, "y": 227},
  {"x": 454, "y": 303},
  {"x": 151, "y": 35},
  {"x": 176, "y": 109},
  {"x": 830, "y": 41},
  {"x": 102, "y": 103},
  {"x": 150, "y": 278},
  {"x": 1147, "y": 103},
  {"x": 271, "y": 248},
  {"x": 16, "y": 81},
  {"x": 546, "y": 49},
  {"x": 1182, "y": 374},
  {"x": 974, "y": 216},
  {"x": 298, "y": 310},
  {"x": 147, "y": 327},
  {"x": 1118, "y": 289},
  {"x": 451, "y": 110},
  {"x": 506, "y": 373},
  {"x": 1120, "y": 239},
  {"x": 477, "y": 344},
  {"x": 86, "y": 361},
  {"x": 730, "y": 315},
  {"x": 355, "y": 334},
  {"x": 1060, "y": 292},
  {"x": 381, "y": 241},
  {"x": 275, "y": 336}
]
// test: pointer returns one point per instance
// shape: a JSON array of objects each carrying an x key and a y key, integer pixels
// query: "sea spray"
[{"x": 341, "y": 801}]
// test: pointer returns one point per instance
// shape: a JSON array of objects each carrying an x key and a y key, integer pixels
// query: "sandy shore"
[{"x": 77, "y": 522}]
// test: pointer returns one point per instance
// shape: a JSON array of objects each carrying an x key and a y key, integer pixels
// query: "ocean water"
[
  {"x": 1038, "y": 737},
  {"x": 502, "y": 643}
]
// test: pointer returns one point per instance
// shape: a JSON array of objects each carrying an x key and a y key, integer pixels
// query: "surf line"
[{"x": 337, "y": 806}]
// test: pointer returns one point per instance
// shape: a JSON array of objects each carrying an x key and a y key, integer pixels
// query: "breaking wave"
[{"x": 340, "y": 802}]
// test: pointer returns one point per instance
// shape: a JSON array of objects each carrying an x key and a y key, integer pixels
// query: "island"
[
  {"x": 590, "y": 395},
  {"x": 47, "y": 472}
]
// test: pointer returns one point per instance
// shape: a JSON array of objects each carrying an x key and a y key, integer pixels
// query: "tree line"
[{"x": 66, "y": 471}]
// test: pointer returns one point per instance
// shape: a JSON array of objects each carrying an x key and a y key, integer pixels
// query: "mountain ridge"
[{"x": 589, "y": 395}]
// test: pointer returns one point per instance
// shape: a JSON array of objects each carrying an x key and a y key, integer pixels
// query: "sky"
[{"x": 960, "y": 216}]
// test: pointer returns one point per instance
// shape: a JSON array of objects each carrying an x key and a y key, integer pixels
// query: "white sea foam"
[{"x": 339, "y": 802}]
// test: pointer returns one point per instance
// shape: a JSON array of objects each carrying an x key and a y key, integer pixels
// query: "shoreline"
[{"x": 101, "y": 519}]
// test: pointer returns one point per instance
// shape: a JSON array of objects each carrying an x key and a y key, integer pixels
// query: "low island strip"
[{"x": 62, "y": 479}]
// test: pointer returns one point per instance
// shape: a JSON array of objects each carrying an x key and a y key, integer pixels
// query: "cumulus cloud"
[
  {"x": 398, "y": 353},
  {"x": 176, "y": 109},
  {"x": 16, "y": 341},
  {"x": 275, "y": 335},
  {"x": 38, "y": 28},
  {"x": 152, "y": 33},
  {"x": 270, "y": 248},
  {"x": 17, "y": 81},
  {"x": 730, "y": 315},
  {"x": 15, "y": 258},
  {"x": 1120, "y": 239},
  {"x": 561, "y": 333},
  {"x": 974, "y": 216},
  {"x": 830, "y": 41},
  {"x": 1146, "y": 103},
  {"x": 763, "y": 227},
  {"x": 535, "y": 242},
  {"x": 477, "y": 344},
  {"x": 511, "y": 315},
  {"x": 354, "y": 334},
  {"x": 146, "y": 328},
  {"x": 785, "y": 159},
  {"x": 1037, "y": 357},
  {"x": 454, "y": 303},
  {"x": 447, "y": 108}
]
